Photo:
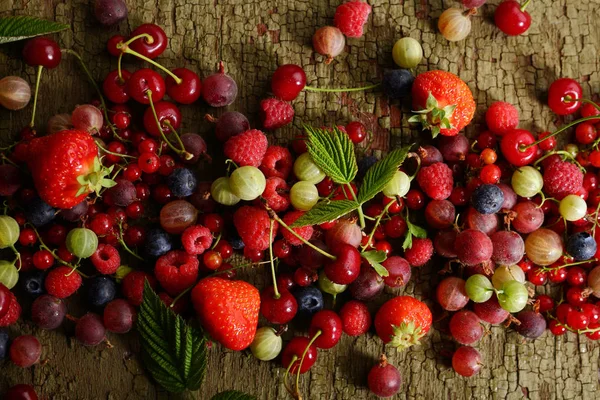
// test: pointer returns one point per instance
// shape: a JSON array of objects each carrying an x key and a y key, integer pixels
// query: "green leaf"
[
  {"x": 174, "y": 352},
  {"x": 333, "y": 152},
  {"x": 375, "y": 258},
  {"x": 413, "y": 230},
  {"x": 381, "y": 173},
  {"x": 232, "y": 395},
  {"x": 325, "y": 212},
  {"x": 23, "y": 27}
]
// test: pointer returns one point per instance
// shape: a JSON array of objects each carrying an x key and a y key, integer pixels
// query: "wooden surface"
[{"x": 253, "y": 37}]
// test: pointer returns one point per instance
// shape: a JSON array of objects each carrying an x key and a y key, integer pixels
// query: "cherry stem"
[
  {"x": 560, "y": 153},
  {"x": 361, "y": 215},
  {"x": 287, "y": 373},
  {"x": 569, "y": 99},
  {"x": 319, "y": 332},
  {"x": 564, "y": 128},
  {"x": 185, "y": 154},
  {"x": 524, "y": 6},
  {"x": 112, "y": 153},
  {"x": 53, "y": 252},
  {"x": 181, "y": 152},
  {"x": 35, "y": 96},
  {"x": 147, "y": 36},
  {"x": 119, "y": 70},
  {"x": 126, "y": 49},
  {"x": 306, "y": 242},
  {"x": 377, "y": 222},
  {"x": 125, "y": 247},
  {"x": 179, "y": 296},
  {"x": 217, "y": 240},
  {"x": 276, "y": 294},
  {"x": 338, "y": 90},
  {"x": 239, "y": 267},
  {"x": 8, "y": 160}
]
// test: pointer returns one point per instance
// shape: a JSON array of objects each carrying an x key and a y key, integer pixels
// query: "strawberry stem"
[
  {"x": 276, "y": 294},
  {"x": 564, "y": 128},
  {"x": 306, "y": 242},
  {"x": 297, "y": 391},
  {"x": 339, "y": 90},
  {"x": 35, "y": 95}
]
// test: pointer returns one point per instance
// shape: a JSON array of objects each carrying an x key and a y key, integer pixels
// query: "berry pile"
[{"x": 112, "y": 200}]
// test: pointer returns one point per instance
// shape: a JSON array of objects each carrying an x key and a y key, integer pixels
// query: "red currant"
[{"x": 168, "y": 115}]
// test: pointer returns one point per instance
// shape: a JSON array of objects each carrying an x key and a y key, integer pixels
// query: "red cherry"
[
  {"x": 588, "y": 110},
  {"x": 214, "y": 222},
  {"x": 586, "y": 133},
  {"x": 21, "y": 392},
  {"x": 41, "y": 51},
  {"x": 288, "y": 81},
  {"x": 115, "y": 88},
  {"x": 281, "y": 249},
  {"x": 148, "y": 162},
  {"x": 297, "y": 347},
  {"x": 560, "y": 91},
  {"x": 186, "y": 92},
  {"x": 346, "y": 267},
  {"x": 513, "y": 145},
  {"x": 330, "y": 325},
  {"x": 304, "y": 277},
  {"x": 167, "y": 113},
  {"x": 511, "y": 18},
  {"x": 112, "y": 43},
  {"x": 415, "y": 199},
  {"x": 356, "y": 131},
  {"x": 143, "y": 80},
  {"x": 278, "y": 311},
  {"x": 153, "y": 47}
]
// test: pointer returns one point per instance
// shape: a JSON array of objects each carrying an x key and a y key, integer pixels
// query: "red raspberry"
[
  {"x": 275, "y": 113},
  {"x": 253, "y": 225},
  {"x": 562, "y": 178},
  {"x": 133, "y": 286},
  {"x": 350, "y": 18},
  {"x": 356, "y": 319},
  {"x": 420, "y": 252},
  {"x": 13, "y": 314},
  {"x": 247, "y": 148},
  {"x": 277, "y": 162},
  {"x": 62, "y": 282},
  {"x": 276, "y": 194},
  {"x": 196, "y": 239},
  {"x": 305, "y": 231},
  {"x": 501, "y": 118},
  {"x": 176, "y": 271},
  {"x": 179, "y": 307},
  {"x": 106, "y": 259},
  {"x": 436, "y": 181}
]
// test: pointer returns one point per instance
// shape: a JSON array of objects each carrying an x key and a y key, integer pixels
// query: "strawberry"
[
  {"x": 443, "y": 103},
  {"x": 402, "y": 321},
  {"x": 66, "y": 168},
  {"x": 228, "y": 310}
]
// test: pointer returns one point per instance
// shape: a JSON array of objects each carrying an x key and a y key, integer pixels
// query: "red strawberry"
[
  {"x": 228, "y": 310},
  {"x": 443, "y": 102},
  {"x": 66, "y": 168},
  {"x": 402, "y": 321}
]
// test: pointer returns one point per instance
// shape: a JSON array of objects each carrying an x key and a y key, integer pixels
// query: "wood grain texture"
[{"x": 253, "y": 37}]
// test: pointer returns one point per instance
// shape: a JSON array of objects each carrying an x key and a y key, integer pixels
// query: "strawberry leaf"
[
  {"x": 174, "y": 352},
  {"x": 325, "y": 211},
  {"x": 333, "y": 152},
  {"x": 232, "y": 395},
  {"x": 375, "y": 258},
  {"x": 381, "y": 173},
  {"x": 23, "y": 27}
]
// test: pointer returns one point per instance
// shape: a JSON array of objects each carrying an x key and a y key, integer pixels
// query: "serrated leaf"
[
  {"x": 375, "y": 258},
  {"x": 333, "y": 152},
  {"x": 381, "y": 173},
  {"x": 24, "y": 27},
  {"x": 325, "y": 212},
  {"x": 232, "y": 395},
  {"x": 413, "y": 230},
  {"x": 174, "y": 352}
]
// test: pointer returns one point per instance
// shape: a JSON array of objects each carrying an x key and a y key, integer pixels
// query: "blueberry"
[
  {"x": 236, "y": 242},
  {"x": 310, "y": 301},
  {"x": 100, "y": 291},
  {"x": 364, "y": 164},
  {"x": 581, "y": 246},
  {"x": 3, "y": 344},
  {"x": 182, "y": 182},
  {"x": 158, "y": 242},
  {"x": 487, "y": 199},
  {"x": 33, "y": 283},
  {"x": 39, "y": 213},
  {"x": 397, "y": 83}
]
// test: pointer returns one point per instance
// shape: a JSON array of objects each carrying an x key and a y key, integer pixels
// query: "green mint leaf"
[
  {"x": 23, "y": 27},
  {"x": 232, "y": 395},
  {"x": 381, "y": 173},
  {"x": 325, "y": 212},
  {"x": 174, "y": 352},
  {"x": 375, "y": 258},
  {"x": 333, "y": 152}
]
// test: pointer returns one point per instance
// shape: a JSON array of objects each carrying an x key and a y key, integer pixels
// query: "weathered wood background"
[{"x": 253, "y": 37}]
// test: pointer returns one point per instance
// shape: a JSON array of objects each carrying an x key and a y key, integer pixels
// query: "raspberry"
[
  {"x": 562, "y": 178},
  {"x": 420, "y": 252},
  {"x": 356, "y": 319},
  {"x": 253, "y": 225},
  {"x": 350, "y": 18},
  {"x": 275, "y": 113},
  {"x": 247, "y": 148},
  {"x": 176, "y": 271},
  {"x": 276, "y": 194},
  {"x": 277, "y": 162},
  {"x": 13, "y": 314},
  {"x": 196, "y": 239},
  {"x": 436, "y": 181},
  {"x": 62, "y": 282},
  {"x": 106, "y": 259},
  {"x": 501, "y": 118},
  {"x": 305, "y": 231},
  {"x": 133, "y": 286}
]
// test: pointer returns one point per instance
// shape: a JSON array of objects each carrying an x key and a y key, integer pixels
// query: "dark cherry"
[
  {"x": 186, "y": 92},
  {"x": 43, "y": 52},
  {"x": 150, "y": 48},
  {"x": 115, "y": 88},
  {"x": 143, "y": 80},
  {"x": 329, "y": 324},
  {"x": 288, "y": 81},
  {"x": 278, "y": 311},
  {"x": 168, "y": 114}
]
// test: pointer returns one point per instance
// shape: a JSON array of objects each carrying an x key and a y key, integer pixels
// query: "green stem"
[
  {"x": 306, "y": 242},
  {"x": 338, "y": 90},
  {"x": 287, "y": 373},
  {"x": 276, "y": 294},
  {"x": 564, "y": 128},
  {"x": 361, "y": 215},
  {"x": 147, "y": 36},
  {"x": 8, "y": 160},
  {"x": 119, "y": 70},
  {"x": 12, "y": 247},
  {"x": 524, "y": 6},
  {"x": 181, "y": 152},
  {"x": 217, "y": 240},
  {"x": 53, "y": 252},
  {"x": 125, "y": 247},
  {"x": 126, "y": 49},
  {"x": 546, "y": 269},
  {"x": 179, "y": 296},
  {"x": 377, "y": 222},
  {"x": 239, "y": 267},
  {"x": 112, "y": 153},
  {"x": 319, "y": 332},
  {"x": 35, "y": 95},
  {"x": 184, "y": 153}
]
